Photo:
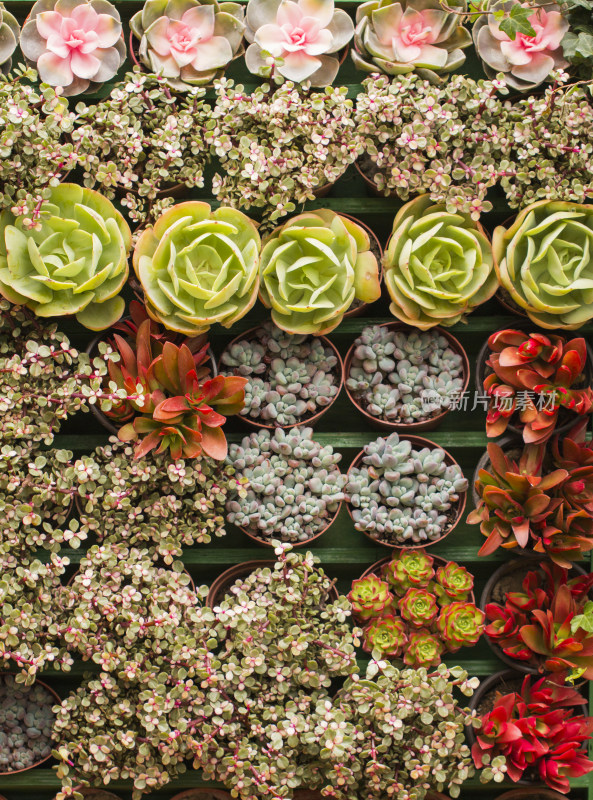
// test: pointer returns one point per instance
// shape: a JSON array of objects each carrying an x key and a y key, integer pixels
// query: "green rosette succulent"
[
  {"x": 545, "y": 262},
  {"x": 460, "y": 624},
  {"x": 438, "y": 266},
  {"x": 418, "y": 607},
  {"x": 370, "y": 597},
  {"x": 410, "y": 36},
  {"x": 453, "y": 582},
  {"x": 74, "y": 263},
  {"x": 198, "y": 267},
  {"x": 9, "y": 38},
  {"x": 409, "y": 569},
  {"x": 313, "y": 267},
  {"x": 388, "y": 635},
  {"x": 424, "y": 649}
]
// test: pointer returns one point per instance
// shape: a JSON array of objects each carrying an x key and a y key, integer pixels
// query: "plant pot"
[
  {"x": 310, "y": 421},
  {"x": 372, "y": 187},
  {"x": 527, "y": 793},
  {"x": 507, "y": 442},
  {"x": 507, "y": 302},
  {"x": 58, "y": 701},
  {"x": 527, "y": 564},
  {"x": 203, "y": 793},
  {"x": 458, "y": 510},
  {"x": 225, "y": 580},
  {"x": 268, "y": 543},
  {"x": 411, "y": 427},
  {"x": 98, "y": 794},
  {"x": 358, "y": 308},
  {"x": 482, "y": 372},
  {"x": 92, "y": 350}
]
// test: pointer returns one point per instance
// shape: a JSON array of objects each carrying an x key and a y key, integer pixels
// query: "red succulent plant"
[{"x": 574, "y": 453}]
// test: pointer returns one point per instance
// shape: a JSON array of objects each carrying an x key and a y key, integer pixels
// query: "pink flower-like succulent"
[
  {"x": 526, "y": 60},
  {"x": 296, "y": 39},
  {"x": 74, "y": 43}
]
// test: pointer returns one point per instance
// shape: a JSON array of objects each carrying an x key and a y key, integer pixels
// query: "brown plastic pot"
[
  {"x": 93, "y": 793},
  {"x": 507, "y": 302},
  {"x": 528, "y": 793},
  {"x": 359, "y": 309},
  {"x": 309, "y": 421},
  {"x": 226, "y": 579},
  {"x": 417, "y": 442},
  {"x": 405, "y": 427},
  {"x": 371, "y": 185},
  {"x": 203, "y": 793},
  {"x": 58, "y": 701}
]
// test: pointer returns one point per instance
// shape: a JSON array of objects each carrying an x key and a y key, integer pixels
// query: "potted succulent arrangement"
[
  {"x": 278, "y": 148},
  {"x": 540, "y": 620},
  {"x": 402, "y": 379},
  {"x": 416, "y": 606},
  {"x": 27, "y": 719},
  {"x": 293, "y": 379},
  {"x": 294, "y": 487},
  {"x": 405, "y": 492},
  {"x": 533, "y": 731}
]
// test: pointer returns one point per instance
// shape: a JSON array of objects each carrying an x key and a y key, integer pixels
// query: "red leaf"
[{"x": 214, "y": 443}]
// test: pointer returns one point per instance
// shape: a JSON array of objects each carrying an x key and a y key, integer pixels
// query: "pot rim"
[
  {"x": 201, "y": 791},
  {"x": 423, "y": 425},
  {"x": 417, "y": 442},
  {"x": 371, "y": 184}
]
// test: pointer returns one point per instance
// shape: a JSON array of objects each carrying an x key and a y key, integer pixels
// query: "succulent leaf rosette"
[
  {"x": 387, "y": 635},
  {"x": 298, "y": 40},
  {"x": 544, "y": 261},
  {"x": 75, "y": 44},
  {"x": 370, "y": 597},
  {"x": 75, "y": 263},
  {"x": 9, "y": 36},
  {"x": 438, "y": 266},
  {"x": 460, "y": 624},
  {"x": 198, "y": 267},
  {"x": 418, "y": 607},
  {"x": 313, "y": 267},
  {"x": 410, "y": 35},
  {"x": 188, "y": 42},
  {"x": 453, "y": 582},
  {"x": 526, "y": 61},
  {"x": 409, "y": 569},
  {"x": 424, "y": 649}
]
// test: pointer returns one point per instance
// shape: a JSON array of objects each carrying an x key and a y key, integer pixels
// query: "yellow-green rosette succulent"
[
  {"x": 438, "y": 266},
  {"x": 313, "y": 267},
  {"x": 198, "y": 267},
  {"x": 545, "y": 262},
  {"x": 75, "y": 263}
]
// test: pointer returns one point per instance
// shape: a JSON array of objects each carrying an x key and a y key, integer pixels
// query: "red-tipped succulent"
[
  {"x": 533, "y": 376},
  {"x": 539, "y": 734},
  {"x": 370, "y": 597},
  {"x": 388, "y": 635},
  {"x": 574, "y": 453}
]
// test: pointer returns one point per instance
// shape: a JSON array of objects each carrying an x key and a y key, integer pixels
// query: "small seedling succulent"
[
  {"x": 401, "y": 495},
  {"x": 26, "y": 720},
  {"x": 294, "y": 486},
  {"x": 290, "y": 377},
  {"x": 404, "y": 376},
  {"x": 313, "y": 268}
]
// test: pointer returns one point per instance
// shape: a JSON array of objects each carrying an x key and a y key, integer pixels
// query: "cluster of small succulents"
[
  {"x": 26, "y": 720},
  {"x": 415, "y": 610},
  {"x": 290, "y": 377},
  {"x": 403, "y": 376},
  {"x": 401, "y": 495},
  {"x": 294, "y": 486}
]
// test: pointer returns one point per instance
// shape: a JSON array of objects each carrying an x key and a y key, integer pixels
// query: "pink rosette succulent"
[
  {"x": 525, "y": 60},
  {"x": 418, "y": 607},
  {"x": 296, "y": 40},
  {"x": 74, "y": 43},
  {"x": 460, "y": 624},
  {"x": 453, "y": 582},
  {"x": 424, "y": 649},
  {"x": 370, "y": 597},
  {"x": 387, "y": 634}
]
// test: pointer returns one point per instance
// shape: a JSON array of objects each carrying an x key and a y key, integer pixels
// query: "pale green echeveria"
[
  {"x": 545, "y": 262},
  {"x": 188, "y": 42},
  {"x": 438, "y": 266},
  {"x": 9, "y": 38},
  {"x": 410, "y": 36},
  {"x": 75, "y": 264},
  {"x": 313, "y": 267},
  {"x": 198, "y": 267}
]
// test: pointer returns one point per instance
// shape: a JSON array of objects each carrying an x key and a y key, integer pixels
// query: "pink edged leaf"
[
  {"x": 533, "y": 638},
  {"x": 214, "y": 443},
  {"x": 147, "y": 444},
  {"x": 213, "y": 387},
  {"x": 521, "y": 531},
  {"x": 128, "y": 357},
  {"x": 212, "y": 418}
]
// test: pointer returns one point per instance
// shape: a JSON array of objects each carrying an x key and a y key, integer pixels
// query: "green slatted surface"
[{"x": 344, "y": 552}]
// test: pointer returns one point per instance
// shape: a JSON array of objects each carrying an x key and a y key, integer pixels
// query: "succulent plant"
[
  {"x": 418, "y": 607},
  {"x": 404, "y": 376},
  {"x": 10, "y": 32},
  {"x": 298, "y": 40},
  {"x": 188, "y": 43},
  {"x": 152, "y": 501},
  {"x": 401, "y": 495},
  {"x": 410, "y": 35},
  {"x": 294, "y": 486},
  {"x": 198, "y": 266},
  {"x": 438, "y": 266},
  {"x": 528, "y": 58},
  {"x": 370, "y": 597},
  {"x": 75, "y": 263},
  {"x": 460, "y": 624},
  {"x": 313, "y": 267},
  {"x": 453, "y": 582},
  {"x": 424, "y": 649},
  {"x": 409, "y": 569},
  {"x": 542, "y": 260},
  {"x": 385, "y": 636},
  {"x": 568, "y": 534},
  {"x": 523, "y": 365},
  {"x": 167, "y": 389},
  {"x": 75, "y": 44},
  {"x": 290, "y": 377},
  {"x": 26, "y": 720}
]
